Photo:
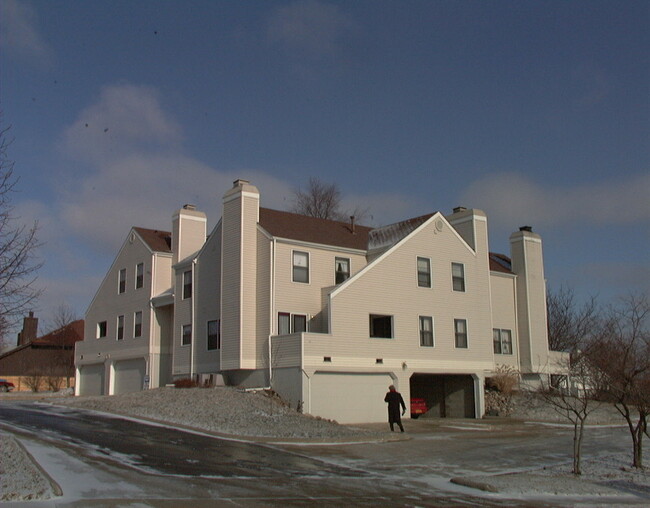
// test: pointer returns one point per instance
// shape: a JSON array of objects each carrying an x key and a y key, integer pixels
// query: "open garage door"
[
  {"x": 129, "y": 375},
  {"x": 91, "y": 379},
  {"x": 446, "y": 395},
  {"x": 349, "y": 397}
]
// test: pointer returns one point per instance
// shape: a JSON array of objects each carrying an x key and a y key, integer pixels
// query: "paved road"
[{"x": 114, "y": 461}]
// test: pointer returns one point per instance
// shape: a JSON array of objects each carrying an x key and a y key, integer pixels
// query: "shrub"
[{"x": 185, "y": 382}]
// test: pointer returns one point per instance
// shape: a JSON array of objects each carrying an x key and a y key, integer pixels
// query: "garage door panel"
[
  {"x": 350, "y": 397},
  {"x": 91, "y": 379},
  {"x": 129, "y": 376}
]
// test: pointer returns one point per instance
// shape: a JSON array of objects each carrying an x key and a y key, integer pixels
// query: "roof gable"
[
  {"x": 64, "y": 336},
  {"x": 293, "y": 226}
]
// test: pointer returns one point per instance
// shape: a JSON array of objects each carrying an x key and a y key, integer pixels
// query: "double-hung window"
[
  {"x": 121, "y": 285},
  {"x": 186, "y": 338},
  {"x": 341, "y": 269},
  {"x": 187, "y": 284},
  {"x": 301, "y": 266},
  {"x": 139, "y": 275},
  {"x": 424, "y": 272},
  {"x": 137, "y": 324},
  {"x": 458, "y": 276},
  {"x": 381, "y": 327},
  {"x": 502, "y": 341},
  {"x": 426, "y": 331},
  {"x": 460, "y": 332},
  {"x": 120, "y": 327},
  {"x": 214, "y": 334}
]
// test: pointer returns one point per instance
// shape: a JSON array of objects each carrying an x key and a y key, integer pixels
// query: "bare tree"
[
  {"x": 18, "y": 244},
  {"x": 62, "y": 362},
  {"x": 622, "y": 353},
  {"x": 574, "y": 396},
  {"x": 569, "y": 325},
  {"x": 323, "y": 201}
]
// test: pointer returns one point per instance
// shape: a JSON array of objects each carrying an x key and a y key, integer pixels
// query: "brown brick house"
[{"x": 45, "y": 362}]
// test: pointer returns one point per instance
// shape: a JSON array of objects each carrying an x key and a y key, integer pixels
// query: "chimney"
[
  {"x": 29, "y": 331},
  {"x": 189, "y": 231},
  {"x": 352, "y": 224}
]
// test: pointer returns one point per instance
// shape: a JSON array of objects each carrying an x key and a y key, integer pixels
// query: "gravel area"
[
  {"x": 226, "y": 411},
  {"x": 20, "y": 478}
]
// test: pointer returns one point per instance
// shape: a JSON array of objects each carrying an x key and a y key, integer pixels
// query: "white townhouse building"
[{"x": 326, "y": 313}]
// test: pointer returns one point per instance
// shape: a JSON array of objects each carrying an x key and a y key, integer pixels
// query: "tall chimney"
[
  {"x": 29, "y": 331},
  {"x": 352, "y": 224}
]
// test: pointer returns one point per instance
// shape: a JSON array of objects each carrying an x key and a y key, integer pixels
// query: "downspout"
[
  {"x": 193, "y": 337},
  {"x": 272, "y": 311}
]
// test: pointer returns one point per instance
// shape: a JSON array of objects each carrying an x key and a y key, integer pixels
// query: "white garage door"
[
  {"x": 129, "y": 376},
  {"x": 91, "y": 379},
  {"x": 350, "y": 397}
]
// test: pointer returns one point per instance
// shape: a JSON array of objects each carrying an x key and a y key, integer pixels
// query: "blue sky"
[{"x": 536, "y": 112}]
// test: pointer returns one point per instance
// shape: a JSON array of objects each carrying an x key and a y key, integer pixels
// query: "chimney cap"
[
  {"x": 189, "y": 207},
  {"x": 239, "y": 182},
  {"x": 529, "y": 229},
  {"x": 459, "y": 209}
]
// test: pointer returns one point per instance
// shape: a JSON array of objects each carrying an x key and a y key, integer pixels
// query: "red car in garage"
[
  {"x": 6, "y": 386},
  {"x": 418, "y": 407}
]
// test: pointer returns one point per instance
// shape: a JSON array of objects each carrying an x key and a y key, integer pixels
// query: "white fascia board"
[
  {"x": 184, "y": 263},
  {"x": 369, "y": 266},
  {"x": 526, "y": 239},
  {"x": 333, "y": 248},
  {"x": 264, "y": 232},
  {"x": 243, "y": 194},
  {"x": 501, "y": 274}
]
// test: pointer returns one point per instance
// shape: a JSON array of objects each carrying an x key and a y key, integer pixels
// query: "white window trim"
[
  {"x": 308, "y": 283},
  {"x": 417, "y": 273},
  {"x": 392, "y": 326},
  {"x": 433, "y": 332},
  {"x": 466, "y": 332},
  {"x": 462, "y": 265}
]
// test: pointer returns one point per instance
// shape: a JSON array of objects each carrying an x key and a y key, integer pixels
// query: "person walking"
[{"x": 395, "y": 400}]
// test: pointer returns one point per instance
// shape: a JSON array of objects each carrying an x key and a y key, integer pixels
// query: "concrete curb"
[{"x": 56, "y": 488}]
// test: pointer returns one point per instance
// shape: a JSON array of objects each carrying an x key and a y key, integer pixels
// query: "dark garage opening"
[{"x": 445, "y": 395}]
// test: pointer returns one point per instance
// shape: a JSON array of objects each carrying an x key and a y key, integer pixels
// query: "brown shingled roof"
[
  {"x": 500, "y": 263},
  {"x": 310, "y": 229},
  {"x": 158, "y": 241}
]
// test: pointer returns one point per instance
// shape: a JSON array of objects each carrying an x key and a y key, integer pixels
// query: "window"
[
  {"x": 120, "y": 327},
  {"x": 137, "y": 324},
  {"x": 460, "y": 330},
  {"x": 381, "y": 327},
  {"x": 299, "y": 323},
  {"x": 186, "y": 339},
  {"x": 300, "y": 267},
  {"x": 187, "y": 284},
  {"x": 122, "y": 281},
  {"x": 341, "y": 269},
  {"x": 284, "y": 323},
  {"x": 424, "y": 272},
  {"x": 426, "y": 331},
  {"x": 458, "y": 276},
  {"x": 139, "y": 275},
  {"x": 101, "y": 329},
  {"x": 291, "y": 323},
  {"x": 502, "y": 341},
  {"x": 214, "y": 334}
]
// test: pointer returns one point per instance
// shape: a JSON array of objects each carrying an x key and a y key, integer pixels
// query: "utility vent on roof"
[{"x": 189, "y": 207}]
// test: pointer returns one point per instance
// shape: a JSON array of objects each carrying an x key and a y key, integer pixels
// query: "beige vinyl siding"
[
  {"x": 249, "y": 283},
  {"x": 208, "y": 302},
  {"x": 504, "y": 314},
  {"x": 286, "y": 351},
  {"x": 181, "y": 365},
  {"x": 160, "y": 272},
  {"x": 302, "y": 298},
  {"x": 108, "y": 304},
  {"x": 263, "y": 299},
  {"x": 230, "y": 285},
  {"x": 374, "y": 292}
]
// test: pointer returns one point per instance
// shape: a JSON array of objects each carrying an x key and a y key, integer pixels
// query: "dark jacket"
[{"x": 394, "y": 400}]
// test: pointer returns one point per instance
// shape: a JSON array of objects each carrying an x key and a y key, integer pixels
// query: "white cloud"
[
  {"x": 126, "y": 119},
  {"x": 511, "y": 196},
  {"x": 19, "y": 34},
  {"x": 310, "y": 27}
]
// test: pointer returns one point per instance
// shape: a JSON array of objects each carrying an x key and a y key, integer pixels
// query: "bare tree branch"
[{"x": 323, "y": 201}]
